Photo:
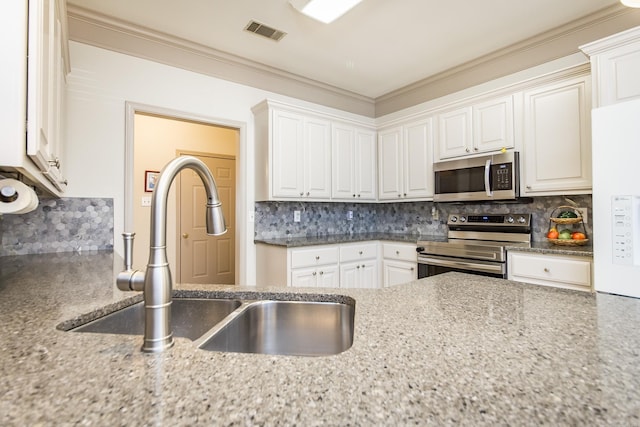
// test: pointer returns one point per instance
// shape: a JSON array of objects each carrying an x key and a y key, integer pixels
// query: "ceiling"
[{"x": 378, "y": 47}]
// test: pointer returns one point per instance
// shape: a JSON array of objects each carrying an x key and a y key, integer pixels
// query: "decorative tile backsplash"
[
  {"x": 84, "y": 224},
  {"x": 275, "y": 219},
  {"x": 59, "y": 225}
]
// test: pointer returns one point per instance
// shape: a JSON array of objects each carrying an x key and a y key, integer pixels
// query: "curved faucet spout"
[{"x": 157, "y": 280}]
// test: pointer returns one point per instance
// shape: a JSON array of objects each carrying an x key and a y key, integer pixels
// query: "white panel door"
[
  {"x": 288, "y": 154},
  {"x": 454, "y": 133},
  {"x": 365, "y": 165},
  {"x": 343, "y": 161},
  {"x": 493, "y": 125},
  {"x": 418, "y": 160},
  {"x": 390, "y": 161},
  {"x": 317, "y": 158}
]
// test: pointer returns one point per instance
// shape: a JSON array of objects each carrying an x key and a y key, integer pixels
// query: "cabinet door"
[
  {"x": 343, "y": 152},
  {"x": 317, "y": 158},
  {"x": 365, "y": 165},
  {"x": 45, "y": 87},
  {"x": 368, "y": 275},
  {"x": 288, "y": 157},
  {"x": 349, "y": 273},
  {"x": 454, "y": 133},
  {"x": 557, "y": 142},
  {"x": 418, "y": 161},
  {"x": 493, "y": 125},
  {"x": 390, "y": 164},
  {"x": 396, "y": 272},
  {"x": 304, "y": 277},
  {"x": 328, "y": 276}
]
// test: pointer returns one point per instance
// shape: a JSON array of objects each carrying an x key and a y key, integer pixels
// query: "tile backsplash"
[
  {"x": 275, "y": 219},
  {"x": 82, "y": 224},
  {"x": 59, "y": 225}
]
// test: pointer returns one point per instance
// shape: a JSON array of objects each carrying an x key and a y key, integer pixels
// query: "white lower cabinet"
[
  {"x": 346, "y": 265},
  {"x": 315, "y": 266},
  {"x": 562, "y": 271},
  {"x": 359, "y": 265},
  {"x": 399, "y": 263}
]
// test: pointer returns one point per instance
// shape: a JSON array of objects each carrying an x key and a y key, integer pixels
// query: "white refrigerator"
[{"x": 616, "y": 198}]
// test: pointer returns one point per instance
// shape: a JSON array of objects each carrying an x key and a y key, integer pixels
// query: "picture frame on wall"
[{"x": 150, "y": 179}]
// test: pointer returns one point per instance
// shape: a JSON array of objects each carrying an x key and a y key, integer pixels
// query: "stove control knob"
[
  {"x": 510, "y": 219},
  {"x": 463, "y": 219},
  {"x": 453, "y": 218},
  {"x": 521, "y": 220},
  {"x": 420, "y": 249}
]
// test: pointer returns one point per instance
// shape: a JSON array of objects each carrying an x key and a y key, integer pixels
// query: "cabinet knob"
[
  {"x": 55, "y": 163},
  {"x": 397, "y": 252},
  {"x": 546, "y": 270},
  {"x": 360, "y": 252},
  {"x": 354, "y": 195},
  {"x": 358, "y": 267},
  {"x": 412, "y": 268},
  {"x": 405, "y": 194},
  {"x": 314, "y": 273},
  {"x": 399, "y": 195},
  {"x": 466, "y": 149},
  {"x": 475, "y": 149},
  {"x": 528, "y": 187},
  {"x": 308, "y": 193},
  {"x": 358, "y": 195},
  {"x": 302, "y": 194},
  {"x": 321, "y": 273},
  {"x": 185, "y": 235},
  {"x": 362, "y": 265},
  {"x": 317, "y": 257}
]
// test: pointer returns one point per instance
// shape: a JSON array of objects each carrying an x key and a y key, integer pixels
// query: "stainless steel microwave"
[{"x": 494, "y": 177}]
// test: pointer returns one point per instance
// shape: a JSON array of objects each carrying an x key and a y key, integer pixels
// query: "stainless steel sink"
[
  {"x": 286, "y": 328},
  {"x": 190, "y": 318}
]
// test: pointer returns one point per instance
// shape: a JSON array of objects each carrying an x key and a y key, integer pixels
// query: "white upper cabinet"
[
  {"x": 353, "y": 163},
  {"x": 615, "y": 67},
  {"x": 37, "y": 51},
  {"x": 454, "y": 133},
  {"x": 405, "y": 161},
  {"x": 478, "y": 128},
  {"x": 293, "y": 155},
  {"x": 557, "y": 138}
]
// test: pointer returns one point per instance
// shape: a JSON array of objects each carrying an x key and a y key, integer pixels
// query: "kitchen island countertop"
[{"x": 452, "y": 349}]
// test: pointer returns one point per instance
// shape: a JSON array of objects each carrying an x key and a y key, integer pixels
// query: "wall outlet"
[
  {"x": 349, "y": 215},
  {"x": 296, "y": 216},
  {"x": 584, "y": 213},
  {"x": 146, "y": 201}
]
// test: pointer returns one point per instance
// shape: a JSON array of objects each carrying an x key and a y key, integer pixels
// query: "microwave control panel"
[{"x": 501, "y": 175}]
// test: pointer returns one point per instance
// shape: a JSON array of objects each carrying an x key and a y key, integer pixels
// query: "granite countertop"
[
  {"x": 330, "y": 239},
  {"x": 298, "y": 241},
  {"x": 446, "y": 350}
]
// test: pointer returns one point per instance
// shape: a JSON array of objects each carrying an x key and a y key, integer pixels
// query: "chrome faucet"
[{"x": 156, "y": 282}]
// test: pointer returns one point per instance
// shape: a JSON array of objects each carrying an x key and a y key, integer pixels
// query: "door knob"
[{"x": 185, "y": 235}]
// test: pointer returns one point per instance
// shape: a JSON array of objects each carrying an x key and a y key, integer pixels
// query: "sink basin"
[
  {"x": 297, "y": 328},
  {"x": 190, "y": 318}
]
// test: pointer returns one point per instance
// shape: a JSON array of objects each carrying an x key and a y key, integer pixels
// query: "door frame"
[{"x": 131, "y": 108}]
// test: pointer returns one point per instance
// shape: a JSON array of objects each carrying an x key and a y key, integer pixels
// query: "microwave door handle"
[{"x": 487, "y": 174}]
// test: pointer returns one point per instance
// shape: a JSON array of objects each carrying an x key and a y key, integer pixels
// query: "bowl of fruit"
[{"x": 562, "y": 227}]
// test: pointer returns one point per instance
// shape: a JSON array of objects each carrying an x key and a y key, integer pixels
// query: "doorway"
[
  {"x": 202, "y": 258},
  {"x": 154, "y": 137}
]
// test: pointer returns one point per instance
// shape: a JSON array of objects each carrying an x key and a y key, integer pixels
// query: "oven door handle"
[
  {"x": 487, "y": 178},
  {"x": 462, "y": 265}
]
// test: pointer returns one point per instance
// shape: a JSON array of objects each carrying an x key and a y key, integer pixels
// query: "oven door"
[{"x": 430, "y": 265}]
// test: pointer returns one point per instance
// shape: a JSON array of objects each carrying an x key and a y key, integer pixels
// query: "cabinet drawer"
[
  {"x": 399, "y": 251},
  {"x": 562, "y": 271},
  {"x": 309, "y": 257},
  {"x": 360, "y": 251}
]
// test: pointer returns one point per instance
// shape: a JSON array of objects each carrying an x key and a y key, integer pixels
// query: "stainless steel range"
[{"x": 475, "y": 244}]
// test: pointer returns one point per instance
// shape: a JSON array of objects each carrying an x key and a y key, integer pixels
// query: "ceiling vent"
[{"x": 265, "y": 31}]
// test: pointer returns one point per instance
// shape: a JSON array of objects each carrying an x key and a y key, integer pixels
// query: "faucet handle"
[{"x": 128, "y": 249}]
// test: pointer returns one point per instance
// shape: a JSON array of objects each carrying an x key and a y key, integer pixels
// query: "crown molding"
[
  {"x": 549, "y": 46},
  {"x": 105, "y": 32}
]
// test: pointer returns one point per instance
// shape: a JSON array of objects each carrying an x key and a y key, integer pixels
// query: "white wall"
[{"x": 100, "y": 84}]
